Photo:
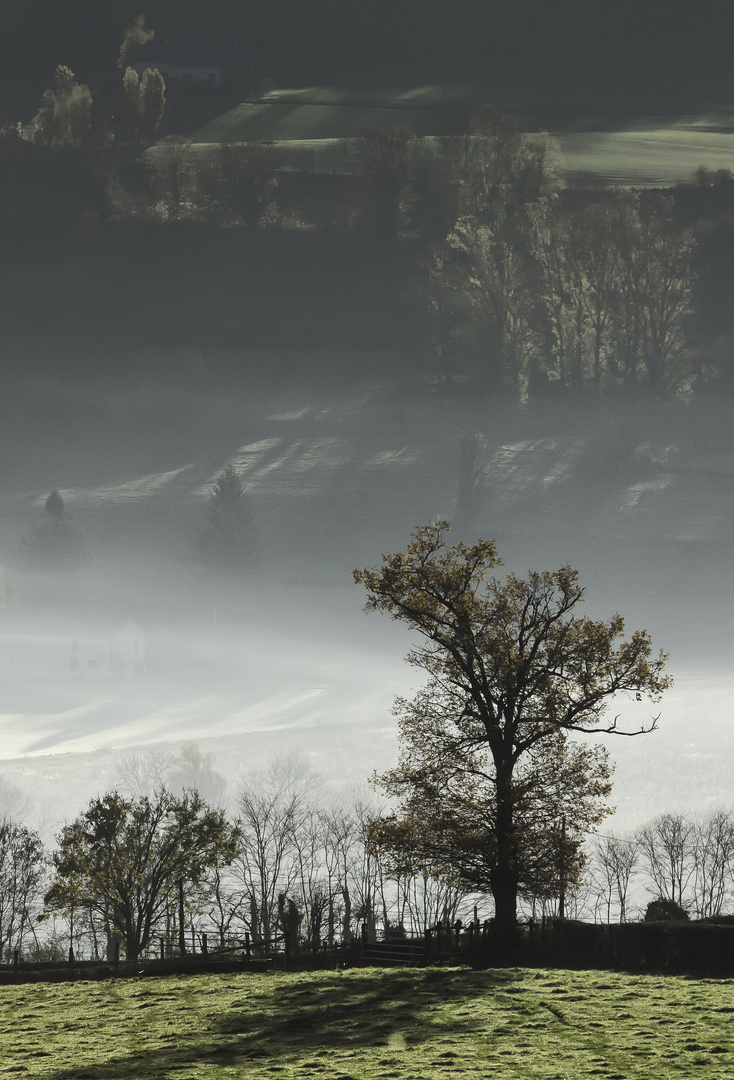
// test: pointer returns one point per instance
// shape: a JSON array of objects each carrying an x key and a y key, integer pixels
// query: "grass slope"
[{"x": 368, "y": 1024}]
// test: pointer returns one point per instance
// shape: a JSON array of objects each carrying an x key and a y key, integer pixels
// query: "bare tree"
[
  {"x": 309, "y": 841},
  {"x": 713, "y": 856},
  {"x": 22, "y": 871},
  {"x": 344, "y": 829},
  {"x": 14, "y": 803},
  {"x": 614, "y": 862},
  {"x": 224, "y": 904},
  {"x": 272, "y": 806},
  {"x": 502, "y": 300},
  {"x": 657, "y": 294},
  {"x": 667, "y": 848},
  {"x": 143, "y": 772}
]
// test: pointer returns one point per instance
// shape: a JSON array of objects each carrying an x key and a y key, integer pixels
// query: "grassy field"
[{"x": 367, "y": 1024}]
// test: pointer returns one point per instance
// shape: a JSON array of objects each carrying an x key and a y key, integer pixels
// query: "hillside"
[{"x": 340, "y": 469}]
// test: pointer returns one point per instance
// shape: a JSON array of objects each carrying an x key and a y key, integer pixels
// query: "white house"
[{"x": 29, "y": 656}]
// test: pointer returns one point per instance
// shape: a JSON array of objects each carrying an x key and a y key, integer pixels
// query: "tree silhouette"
[
  {"x": 64, "y": 117},
  {"x": 123, "y": 859},
  {"x": 55, "y": 543},
  {"x": 228, "y": 540},
  {"x": 513, "y": 669}
]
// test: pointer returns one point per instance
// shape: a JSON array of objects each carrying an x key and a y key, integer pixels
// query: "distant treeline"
[
  {"x": 579, "y": 55},
  {"x": 512, "y": 305},
  {"x": 466, "y": 250}
]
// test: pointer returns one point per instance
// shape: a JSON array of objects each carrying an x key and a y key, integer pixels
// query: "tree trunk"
[
  {"x": 181, "y": 919},
  {"x": 504, "y": 877}
]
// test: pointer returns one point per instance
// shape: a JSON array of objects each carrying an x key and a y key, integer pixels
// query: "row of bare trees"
[
  {"x": 298, "y": 865},
  {"x": 687, "y": 862},
  {"x": 587, "y": 298},
  {"x": 287, "y": 863},
  {"x": 319, "y": 858},
  {"x": 518, "y": 283}
]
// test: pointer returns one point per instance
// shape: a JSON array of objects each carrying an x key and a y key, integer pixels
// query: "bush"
[{"x": 665, "y": 911}]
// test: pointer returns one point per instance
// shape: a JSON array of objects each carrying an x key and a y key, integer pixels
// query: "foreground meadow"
[{"x": 367, "y": 1024}]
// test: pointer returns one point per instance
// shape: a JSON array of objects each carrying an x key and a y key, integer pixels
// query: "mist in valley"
[
  {"x": 246, "y": 663},
  {"x": 255, "y": 330}
]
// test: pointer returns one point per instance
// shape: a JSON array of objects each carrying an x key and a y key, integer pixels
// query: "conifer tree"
[
  {"x": 227, "y": 540},
  {"x": 55, "y": 543}
]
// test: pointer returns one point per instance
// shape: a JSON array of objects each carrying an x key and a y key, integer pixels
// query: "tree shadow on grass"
[{"x": 358, "y": 1010}]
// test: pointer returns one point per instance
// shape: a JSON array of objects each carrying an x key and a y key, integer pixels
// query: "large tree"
[
  {"x": 123, "y": 860},
  {"x": 513, "y": 670}
]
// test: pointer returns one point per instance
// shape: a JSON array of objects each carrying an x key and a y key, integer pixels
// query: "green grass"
[{"x": 371, "y": 1025}]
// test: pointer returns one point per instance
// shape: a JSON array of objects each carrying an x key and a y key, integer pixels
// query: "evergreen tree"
[
  {"x": 55, "y": 543},
  {"x": 227, "y": 540}
]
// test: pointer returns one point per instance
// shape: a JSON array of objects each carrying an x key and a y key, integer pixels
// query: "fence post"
[
  {"x": 429, "y": 942},
  {"x": 247, "y": 945},
  {"x": 15, "y": 961},
  {"x": 181, "y": 915},
  {"x": 163, "y": 948},
  {"x": 204, "y": 945},
  {"x": 439, "y": 940}
]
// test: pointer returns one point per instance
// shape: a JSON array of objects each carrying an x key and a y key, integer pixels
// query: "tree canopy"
[
  {"x": 488, "y": 768},
  {"x": 122, "y": 859}
]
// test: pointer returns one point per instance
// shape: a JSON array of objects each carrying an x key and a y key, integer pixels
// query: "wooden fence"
[{"x": 696, "y": 948}]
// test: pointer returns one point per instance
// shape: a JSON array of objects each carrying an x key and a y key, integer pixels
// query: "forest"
[{"x": 468, "y": 251}]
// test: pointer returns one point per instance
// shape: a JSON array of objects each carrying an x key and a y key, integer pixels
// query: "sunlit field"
[{"x": 370, "y": 1023}]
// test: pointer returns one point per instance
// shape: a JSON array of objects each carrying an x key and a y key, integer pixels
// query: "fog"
[{"x": 340, "y": 469}]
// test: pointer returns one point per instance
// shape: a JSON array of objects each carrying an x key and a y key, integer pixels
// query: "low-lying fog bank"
[{"x": 639, "y": 499}]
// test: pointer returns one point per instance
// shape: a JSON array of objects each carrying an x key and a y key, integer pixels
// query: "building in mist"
[{"x": 31, "y": 656}]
